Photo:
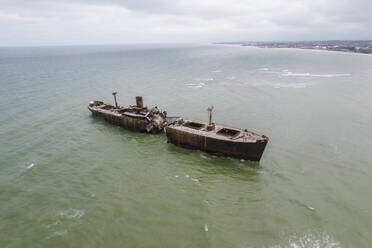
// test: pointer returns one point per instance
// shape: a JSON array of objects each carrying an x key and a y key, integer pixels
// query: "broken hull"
[
  {"x": 131, "y": 123},
  {"x": 241, "y": 150}
]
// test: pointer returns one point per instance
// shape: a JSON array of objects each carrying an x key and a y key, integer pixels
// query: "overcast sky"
[{"x": 73, "y": 22}]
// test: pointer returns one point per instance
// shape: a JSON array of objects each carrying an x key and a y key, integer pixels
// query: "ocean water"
[{"x": 68, "y": 179}]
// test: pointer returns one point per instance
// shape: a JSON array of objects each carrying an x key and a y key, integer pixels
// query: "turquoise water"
[{"x": 68, "y": 179}]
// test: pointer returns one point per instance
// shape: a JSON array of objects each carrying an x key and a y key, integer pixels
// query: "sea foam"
[
  {"x": 196, "y": 85},
  {"x": 292, "y": 85},
  {"x": 310, "y": 240},
  {"x": 206, "y": 228},
  {"x": 71, "y": 213},
  {"x": 30, "y": 166},
  {"x": 286, "y": 73}
]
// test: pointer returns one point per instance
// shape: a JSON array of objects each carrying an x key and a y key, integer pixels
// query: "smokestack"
[{"x": 139, "y": 101}]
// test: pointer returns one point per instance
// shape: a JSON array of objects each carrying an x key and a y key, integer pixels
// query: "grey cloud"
[{"x": 128, "y": 21}]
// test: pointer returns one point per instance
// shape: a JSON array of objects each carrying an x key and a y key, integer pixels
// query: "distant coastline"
[{"x": 351, "y": 46}]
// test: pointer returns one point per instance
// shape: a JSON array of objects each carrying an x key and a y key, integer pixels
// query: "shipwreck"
[
  {"x": 135, "y": 118},
  {"x": 193, "y": 134}
]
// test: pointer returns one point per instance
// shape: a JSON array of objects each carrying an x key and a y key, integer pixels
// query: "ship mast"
[
  {"x": 210, "y": 125},
  {"x": 114, "y": 94}
]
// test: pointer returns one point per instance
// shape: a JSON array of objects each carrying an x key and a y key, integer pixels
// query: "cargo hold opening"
[
  {"x": 194, "y": 125},
  {"x": 228, "y": 132}
]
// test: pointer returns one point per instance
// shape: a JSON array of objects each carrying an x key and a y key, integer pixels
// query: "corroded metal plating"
[
  {"x": 220, "y": 140},
  {"x": 187, "y": 133},
  {"x": 135, "y": 118}
]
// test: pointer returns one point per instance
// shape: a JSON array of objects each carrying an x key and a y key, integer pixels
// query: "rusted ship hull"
[
  {"x": 192, "y": 134},
  {"x": 194, "y": 139},
  {"x": 135, "y": 118},
  {"x": 133, "y": 124}
]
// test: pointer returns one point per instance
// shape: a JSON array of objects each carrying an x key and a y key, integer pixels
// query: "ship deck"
[
  {"x": 220, "y": 132},
  {"x": 119, "y": 112}
]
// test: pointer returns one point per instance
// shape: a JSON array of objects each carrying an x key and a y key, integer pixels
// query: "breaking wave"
[
  {"x": 321, "y": 240},
  {"x": 196, "y": 85},
  {"x": 307, "y": 74},
  {"x": 292, "y": 85},
  {"x": 200, "y": 84},
  {"x": 203, "y": 79},
  {"x": 288, "y": 73},
  {"x": 206, "y": 228},
  {"x": 30, "y": 166},
  {"x": 71, "y": 213}
]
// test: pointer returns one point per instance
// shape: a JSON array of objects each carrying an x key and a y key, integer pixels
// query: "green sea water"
[{"x": 68, "y": 179}]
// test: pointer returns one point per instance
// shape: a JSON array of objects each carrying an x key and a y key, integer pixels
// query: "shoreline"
[{"x": 295, "y": 48}]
